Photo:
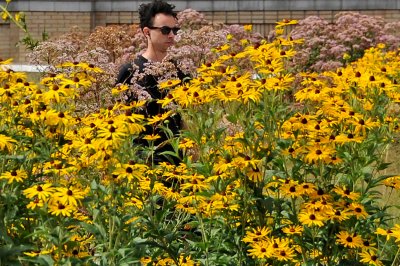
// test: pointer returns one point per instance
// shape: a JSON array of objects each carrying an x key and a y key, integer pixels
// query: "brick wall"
[
  {"x": 53, "y": 23},
  {"x": 57, "y": 23}
]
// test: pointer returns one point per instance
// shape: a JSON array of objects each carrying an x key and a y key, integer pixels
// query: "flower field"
[{"x": 278, "y": 167}]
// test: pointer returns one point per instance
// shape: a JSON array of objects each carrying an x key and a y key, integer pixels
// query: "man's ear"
[{"x": 146, "y": 32}]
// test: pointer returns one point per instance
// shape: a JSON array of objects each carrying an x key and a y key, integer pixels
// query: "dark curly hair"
[{"x": 148, "y": 11}]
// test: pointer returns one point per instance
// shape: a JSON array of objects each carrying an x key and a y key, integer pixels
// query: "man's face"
[{"x": 157, "y": 39}]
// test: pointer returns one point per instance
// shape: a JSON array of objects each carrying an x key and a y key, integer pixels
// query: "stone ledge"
[{"x": 26, "y": 68}]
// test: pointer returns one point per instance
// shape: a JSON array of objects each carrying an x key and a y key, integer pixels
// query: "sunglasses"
[{"x": 165, "y": 30}]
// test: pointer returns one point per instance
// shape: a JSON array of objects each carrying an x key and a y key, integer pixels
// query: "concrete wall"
[{"x": 58, "y": 17}]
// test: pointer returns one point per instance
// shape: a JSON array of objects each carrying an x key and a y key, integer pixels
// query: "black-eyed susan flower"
[
  {"x": 311, "y": 218},
  {"x": 349, "y": 240},
  {"x": 60, "y": 209},
  {"x": 14, "y": 175},
  {"x": 152, "y": 137},
  {"x": 284, "y": 254},
  {"x": 338, "y": 215},
  {"x": 35, "y": 203},
  {"x": 286, "y": 22},
  {"x": 119, "y": 88},
  {"x": 293, "y": 230},
  {"x": 169, "y": 84},
  {"x": 41, "y": 191},
  {"x": 195, "y": 183},
  {"x": 370, "y": 257},
  {"x": 393, "y": 182},
  {"x": 186, "y": 261},
  {"x": 319, "y": 153},
  {"x": 358, "y": 210},
  {"x": 68, "y": 195},
  {"x": 256, "y": 234},
  {"x": 346, "y": 193},
  {"x": 260, "y": 249},
  {"x": 291, "y": 189},
  {"x": 396, "y": 233},
  {"x": 384, "y": 232},
  {"x": 54, "y": 93},
  {"x": 7, "y": 143},
  {"x": 78, "y": 80}
]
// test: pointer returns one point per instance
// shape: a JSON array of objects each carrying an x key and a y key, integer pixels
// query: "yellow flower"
[
  {"x": 293, "y": 230},
  {"x": 130, "y": 171},
  {"x": 319, "y": 153},
  {"x": 370, "y": 257},
  {"x": 6, "y": 142},
  {"x": 286, "y": 22},
  {"x": 42, "y": 191},
  {"x": 346, "y": 193},
  {"x": 70, "y": 195},
  {"x": 169, "y": 83},
  {"x": 349, "y": 240},
  {"x": 4, "y": 16},
  {"x": 260, "y": 249},
  {"x": 6, "y": 62},
  {"x": 255, "y": 235},
  {"x": 393, "y": 182},
  {"x": 358, "y": 210},
  {"x": 38, "y": 252},
  {"x": 53, "y": 118},
  {"x": 79, "y": 80},
  {"x": 152, "y": 137},
  {"x": 388, "y": 233},
  {"x": 57, "y": 208},
  {"x": 346, "y": 56},
  {"x": 186, "y": 261},
  {"x": 19, "y": 16},
  {"x": 15, "y": 175},
  {"x": 248, "y": 28},
  {"x": 145, "y": 260},
  {"x": 158, "y": 118},
  {"x": 339, "y": 215},
  {"x": 35, "y": 203},
  {"x": 311, "y": 218},
  {"x": 135, "y": 202},
  {"x": 119, "y": 88}
]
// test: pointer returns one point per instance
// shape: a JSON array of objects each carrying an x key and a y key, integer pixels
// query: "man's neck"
[{"x": 155, "y": 56}]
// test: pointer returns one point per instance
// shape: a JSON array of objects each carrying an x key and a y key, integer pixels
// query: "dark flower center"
[{"x": 129, "y": 170}]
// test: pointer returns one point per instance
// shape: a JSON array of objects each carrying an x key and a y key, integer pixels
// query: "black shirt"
[{"x": 150, "y": 84}]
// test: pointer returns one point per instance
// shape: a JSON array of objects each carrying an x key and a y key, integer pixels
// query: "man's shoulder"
[
  {"x": 126, "y": 67},
  {"x": 140, "y": 62}
]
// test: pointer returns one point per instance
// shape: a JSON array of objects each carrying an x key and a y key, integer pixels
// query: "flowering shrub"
[
  {"x": 102, "y": 48},
  {"x": 279, "y": 182},
  {"x": 328, "y": 46}
]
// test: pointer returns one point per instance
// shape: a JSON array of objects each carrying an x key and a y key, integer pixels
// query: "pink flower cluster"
[{"x": 325, "y": 43}]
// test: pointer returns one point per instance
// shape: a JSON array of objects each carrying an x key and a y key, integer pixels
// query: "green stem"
[
  {"x": 204, "y": 236},
  {"x": 395, "y": 257}
]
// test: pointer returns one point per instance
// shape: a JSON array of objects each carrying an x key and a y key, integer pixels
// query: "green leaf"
[{"x": 383, "y": 166}]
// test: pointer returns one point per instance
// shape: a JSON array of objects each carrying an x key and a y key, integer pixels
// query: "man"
[{"x": 158, "y": 23}]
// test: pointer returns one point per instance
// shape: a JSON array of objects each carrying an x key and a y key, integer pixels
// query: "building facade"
[{"x": 59, "y": 17}]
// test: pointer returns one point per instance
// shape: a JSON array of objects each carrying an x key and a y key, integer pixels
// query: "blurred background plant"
[
  {"x": 19, "y": 20},
  {"x": 330, "y": 45}
]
